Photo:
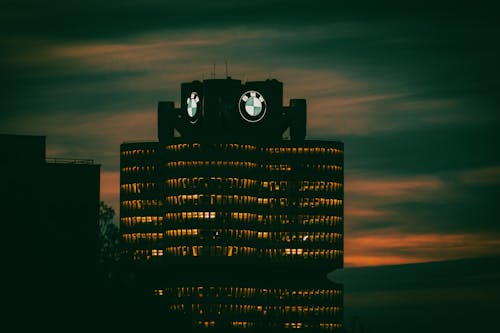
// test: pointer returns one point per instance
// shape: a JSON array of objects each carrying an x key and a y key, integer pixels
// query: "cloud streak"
[{"x": 387, "y": 249}]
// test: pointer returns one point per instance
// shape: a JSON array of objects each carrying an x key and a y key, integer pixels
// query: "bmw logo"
[
  {"x": 192, "y": 106},
  {"x": 252, "y": 106}
]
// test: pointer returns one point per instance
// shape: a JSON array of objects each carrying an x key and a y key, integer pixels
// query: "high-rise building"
[
  {"x": 50, "y": 210},
  {"x": 232, "y": 219}
]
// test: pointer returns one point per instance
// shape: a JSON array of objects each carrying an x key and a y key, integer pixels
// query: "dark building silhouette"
[
  {"x": 50, "y": 213},
  {"x": 230, "y": 225}
]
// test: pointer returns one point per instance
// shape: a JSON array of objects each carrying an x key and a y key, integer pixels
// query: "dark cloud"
[
  {"x": 430, "y": 149},
  {"x": 114, "y": 19},
  {"x": 473, "y": 209}
]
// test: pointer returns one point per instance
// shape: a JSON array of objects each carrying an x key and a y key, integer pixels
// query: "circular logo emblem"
[
  {"x": 252, "y": 106},
  {"x": 192, "y": 106}
]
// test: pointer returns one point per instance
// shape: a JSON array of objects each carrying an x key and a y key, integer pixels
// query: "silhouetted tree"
[{"x": 109, "y": 235}]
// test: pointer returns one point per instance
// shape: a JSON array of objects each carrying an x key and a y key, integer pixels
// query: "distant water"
[{"x": 447, "y": 296}]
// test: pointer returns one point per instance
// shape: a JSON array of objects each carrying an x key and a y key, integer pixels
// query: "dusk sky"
[{"x": 411, "y": 91}]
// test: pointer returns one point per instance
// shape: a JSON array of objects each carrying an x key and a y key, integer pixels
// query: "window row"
[
  {"x": 182, "y": 232},
  {"x": 250, "y": 324},
  {"x": 138, "y": 188},
  {"x": 222, "y": 147},
  {"x": 190, "y": 215},
  {"x": 323, "y": 167},
  {"x": 205, "y": 323},
  {"x": 299, "y": 310},
  {"x": 278, "y": 167},
  {"x": 271, "y": 150},
  {"x": 241, "y": 183},
  {"x": 137, "y": 169},
  {"x": 319, "y": 202},
  {"x": 141, "y": 204},
  {"x": 248, "y": 165},
  {"x": 138, "y": 236},
  {"x": 304, "y": 253},
  {"x": 242, "y": 324},
  {"x": 233, "y": 250},
  {"x": 134, "y": 220},
  {"x": 136, "y": 152},
  {"x": 302, "y": 150},
  {"x": 248, "y": 292},
  {"x": 279, "y": 219},
  {"x": 235, "y": 199},
  {"x": 194, "y": 251},
  {"x": 275, "y": 185},
  {"x": 278, "y": 236},
  {"x": 319, "y": 185},
  {"x": 211, "y": 164},
  {"x": 323, "y": 326},
  {"x": 210, "y": 182}
]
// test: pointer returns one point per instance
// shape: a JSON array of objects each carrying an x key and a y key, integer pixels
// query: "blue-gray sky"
[{"x": 411, "y": 90}]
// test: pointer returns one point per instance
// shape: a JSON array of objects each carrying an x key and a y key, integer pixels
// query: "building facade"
[
  {"x": 232, "y": 226},
  {"x": 51, "y": 213}
]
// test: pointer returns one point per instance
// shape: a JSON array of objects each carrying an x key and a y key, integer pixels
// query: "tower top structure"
[{"x": 229, "y": 110}]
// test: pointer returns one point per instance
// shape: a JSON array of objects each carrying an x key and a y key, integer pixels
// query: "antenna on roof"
[
  {"x": 227, "y": 73},
  {"x": 213, "y": 72}
]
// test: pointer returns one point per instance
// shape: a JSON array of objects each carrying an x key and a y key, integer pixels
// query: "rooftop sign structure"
[{"x": 227, "y": 109}]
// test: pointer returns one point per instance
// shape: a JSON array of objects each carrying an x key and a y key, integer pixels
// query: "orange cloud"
[
  {"x": 374, "y": 260},
  {"x": 394, "y": 248},
  {"x": 355, "y": 211},
  {"x": 149, "y": 52},
  {"x": 400, "y": 188}
]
